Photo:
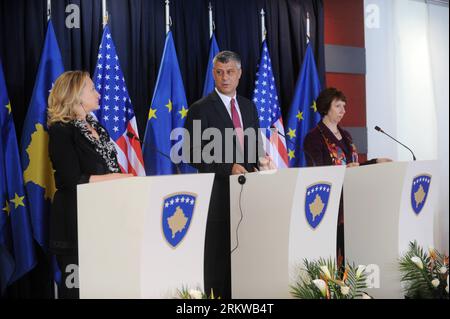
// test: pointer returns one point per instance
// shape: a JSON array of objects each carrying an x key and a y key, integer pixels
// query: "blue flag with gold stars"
[
  {"x": 17, "y": 255},
  {"x": 168, "y": 111},
  {"x": 37, "y": 168},
  {"x": 303, "y": 115},
  {"x": 208, "y": 87}
]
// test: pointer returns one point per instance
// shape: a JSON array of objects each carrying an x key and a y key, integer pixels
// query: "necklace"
[
  {"x": 334, "y": 132},
  {"x": 333, "y": 128}
]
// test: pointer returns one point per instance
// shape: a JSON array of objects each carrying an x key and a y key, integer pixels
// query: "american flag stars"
[
  {"x": 265, "y": 96},
  {"x": 110, "y": 76},
  {"x": 116, "y": 111},
  {"x": 267, "y": 104}
]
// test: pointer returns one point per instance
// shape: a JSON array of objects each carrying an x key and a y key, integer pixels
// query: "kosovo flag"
[
  {"x": 168, "y": 111},
  {"x": 303, "y": 115},
  {"x": 208, "y": 87},
  {"x": 17, "y": 255},
  {"x": 38, "y": 170}
]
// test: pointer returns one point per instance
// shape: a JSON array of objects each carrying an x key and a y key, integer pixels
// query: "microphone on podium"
[
  {"x": 133, "y": 136},
  {"x": 377, "y": 128}
]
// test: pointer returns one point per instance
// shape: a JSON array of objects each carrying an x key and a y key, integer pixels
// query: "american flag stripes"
[
  {"x": 116, "y": 111},
  {"x": 266, "y": 100}
]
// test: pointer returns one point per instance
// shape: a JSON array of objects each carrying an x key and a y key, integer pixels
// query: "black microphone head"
[
  {"x": 378, "y": 129},
  {"x": 242, "y": 179},
  {"x": 133, "y": 136}
]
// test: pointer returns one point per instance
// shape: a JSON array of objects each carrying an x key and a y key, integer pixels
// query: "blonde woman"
[{"x": 81, "y": 152}]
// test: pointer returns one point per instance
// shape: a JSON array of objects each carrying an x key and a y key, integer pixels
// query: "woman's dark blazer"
[
  {"x": 317, "y": 153},
  {"x": 74, "y": 160}
]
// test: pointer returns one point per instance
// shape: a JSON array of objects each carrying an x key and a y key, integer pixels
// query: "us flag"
[
  {"x": 265, "y": 98},
  {"x": 116, "y": 112}
]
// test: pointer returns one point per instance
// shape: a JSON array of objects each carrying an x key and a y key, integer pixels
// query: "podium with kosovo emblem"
[
  {"x": 386, "y": 206},
  {"x": 142, "y": 237},
  {"x": 279, "y": 218}
]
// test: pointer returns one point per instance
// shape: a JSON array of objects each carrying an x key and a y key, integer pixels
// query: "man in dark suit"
[{"x": 223, "y": 111}]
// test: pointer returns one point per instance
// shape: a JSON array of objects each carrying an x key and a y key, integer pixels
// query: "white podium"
[
  {"x": 142, "y": 237},
  {"x": 287, "y": 215},
  {"x": 385, "y": 207}
]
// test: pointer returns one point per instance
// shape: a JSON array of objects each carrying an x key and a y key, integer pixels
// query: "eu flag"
[
  {"x": 168, "y": 111},
  {"x": 38, "y": 170},
  {"x": 303, "y": 115},
  {"x": 17, "y": 255},
  {"x": 208, "y": 87}
]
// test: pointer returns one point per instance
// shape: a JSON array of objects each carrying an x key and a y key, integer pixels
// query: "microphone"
[
  {"x": 297, "y": 147},
  {"x": 377, "y": 128},
  {"x": 134, "y": 137}
]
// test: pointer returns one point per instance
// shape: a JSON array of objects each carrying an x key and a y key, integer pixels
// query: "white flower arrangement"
[
  {"x": 322, "y": 280},
  {"x": 189, "y": 293},
  {"x": 424, "y": 275}
]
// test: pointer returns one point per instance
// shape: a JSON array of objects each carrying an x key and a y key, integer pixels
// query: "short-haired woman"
[{"x": 330, "y": 144}]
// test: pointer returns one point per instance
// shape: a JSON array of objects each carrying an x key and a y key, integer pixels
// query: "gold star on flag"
[
  {"x": 314, "y": 106},
  {"x": 183, "y": 112},
  {"x": 18, "y": 201},
  {"x": 291, "y": 154},
  {"x": 299, "y": 116},
  {"x": 169, "y": 105},
  {"x": 152, "y": 114},
  {"x": 6, "y": 208},
  {"x": 291, "y": 133},
  {"x": 8, "y": 106}
]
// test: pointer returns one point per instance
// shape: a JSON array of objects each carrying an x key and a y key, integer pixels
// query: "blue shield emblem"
[
  {"x": 316, "y": 203},
  {"x": 177, "y": 213},
  {"x": 419, "y": 192}
]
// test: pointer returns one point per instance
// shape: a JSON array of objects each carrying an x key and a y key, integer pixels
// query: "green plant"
[
  {"x": 323, "y": 280},
  {"x": 186, "y": 293},
  {"x": 424, "y": 274}
]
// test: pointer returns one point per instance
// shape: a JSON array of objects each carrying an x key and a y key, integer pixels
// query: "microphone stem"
[{"x": 414, "y": 157}]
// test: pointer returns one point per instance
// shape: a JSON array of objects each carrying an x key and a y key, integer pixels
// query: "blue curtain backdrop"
[{"x": 138, "y": 28}]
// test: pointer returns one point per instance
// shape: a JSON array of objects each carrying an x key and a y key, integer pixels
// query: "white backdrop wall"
[
  {"x": 407, "y": 87},
  {"x": 438, "y": 41}
]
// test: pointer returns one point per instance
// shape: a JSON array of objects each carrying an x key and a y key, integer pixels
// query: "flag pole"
[
  {"x": 49, "y": 10},
  {"x": 263, "y": 25},
  {"x": 105, "y": 13},
  {"x": 308, "y": 28},
  {"x": 168, "y": 16},
  {"x": 211, "y": 21}
]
